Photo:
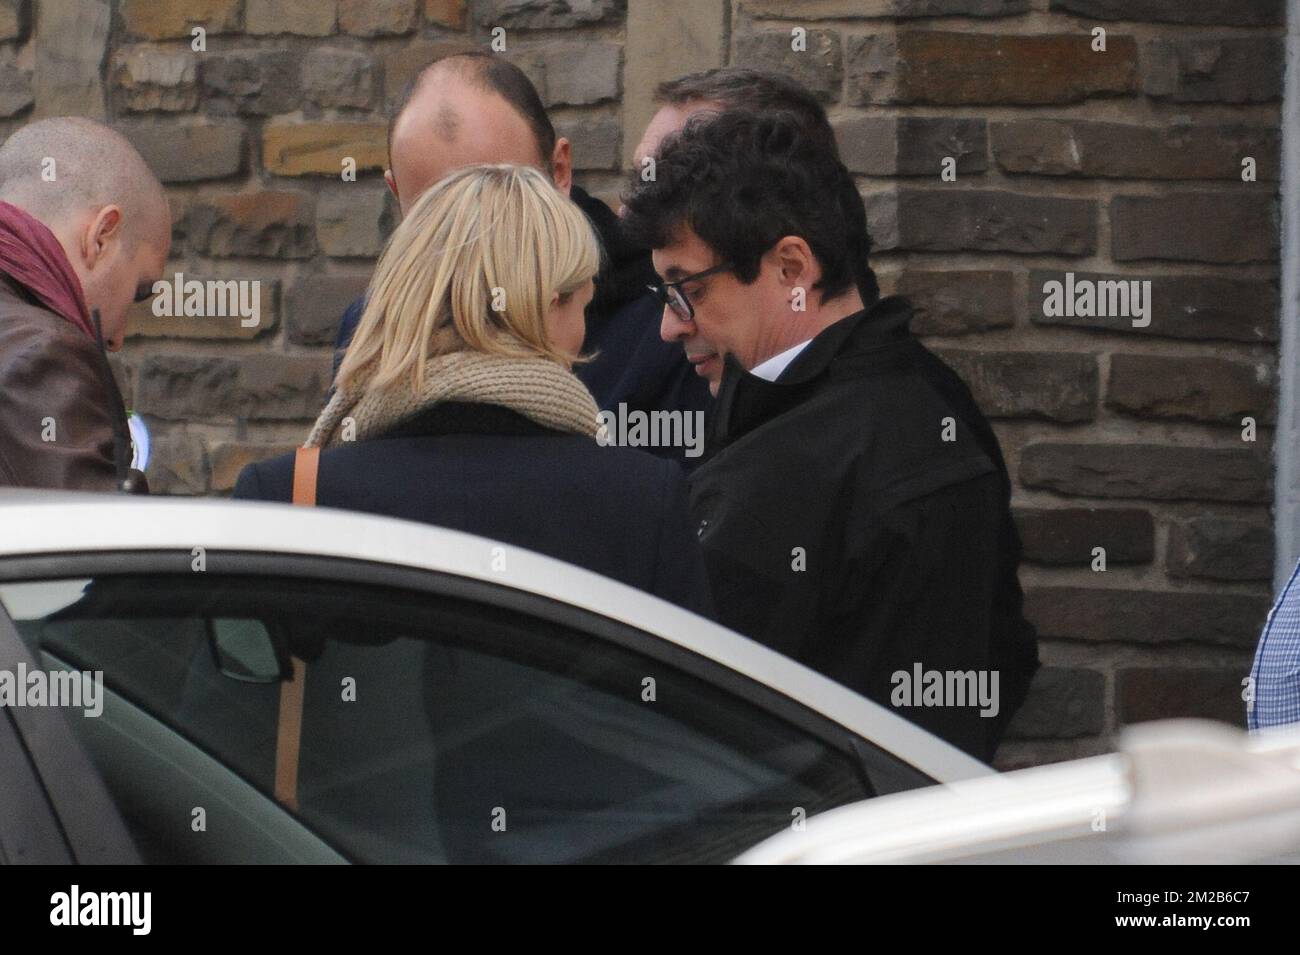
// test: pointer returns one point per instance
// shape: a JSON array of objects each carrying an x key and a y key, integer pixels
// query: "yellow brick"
[
  {"x": 143, "y": 323},
  {"x": 319, "y": 148},
  {"x": 302, "y": 17},
  {"x": 448, "y": 13},
  {"x": 376, "y": 17},
  {"x": 170, "y": 19}
]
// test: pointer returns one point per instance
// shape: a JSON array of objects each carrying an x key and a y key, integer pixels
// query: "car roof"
[
  {"x": 939, "y": 823},
  {"x": 1178, "y": 791},
  {"x": 54, "y": 522}
]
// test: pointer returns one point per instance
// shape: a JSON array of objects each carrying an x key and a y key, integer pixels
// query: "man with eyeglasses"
[
  {"x": 632, "y": 364},
  {"x": 853, "y": 506}
]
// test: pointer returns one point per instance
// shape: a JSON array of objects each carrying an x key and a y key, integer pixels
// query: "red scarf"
[{"x": 33, "y": 257}]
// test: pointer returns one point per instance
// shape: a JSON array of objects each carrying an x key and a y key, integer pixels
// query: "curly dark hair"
[{"x": 742, "y": 180}]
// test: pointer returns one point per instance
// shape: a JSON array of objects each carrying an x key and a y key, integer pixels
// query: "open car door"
[{"x": 54, "y": 806}]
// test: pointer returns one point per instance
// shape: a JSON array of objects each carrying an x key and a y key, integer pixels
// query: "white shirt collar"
[{"x": 771, "y": 369}]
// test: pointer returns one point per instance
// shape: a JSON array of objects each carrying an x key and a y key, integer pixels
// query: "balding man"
[
  {"x": 464, "y": 110},
  {"x": 84, "y": 232},
  {"x": 474, "y": 108}
]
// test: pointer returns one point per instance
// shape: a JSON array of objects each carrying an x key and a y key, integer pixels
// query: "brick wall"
[{"x": 1123, "y": 163}]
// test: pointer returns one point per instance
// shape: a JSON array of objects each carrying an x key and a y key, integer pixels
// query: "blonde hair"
[{"x": 485, "y": 236}]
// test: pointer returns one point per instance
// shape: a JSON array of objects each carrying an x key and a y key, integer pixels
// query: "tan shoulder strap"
[
  {"x": 288, "y": 737},
  {"x": 306, "y": 463}
]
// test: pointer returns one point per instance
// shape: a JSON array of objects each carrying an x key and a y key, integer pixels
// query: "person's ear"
[
  {"x": 104, "y": 227},
  {"x": 392, "y": 185},
  {"x": 562, "y": 165},
  {"x": 795, "y": 262}
]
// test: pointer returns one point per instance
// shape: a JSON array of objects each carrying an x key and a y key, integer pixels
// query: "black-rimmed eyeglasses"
[{"x": 671, "y": 294}]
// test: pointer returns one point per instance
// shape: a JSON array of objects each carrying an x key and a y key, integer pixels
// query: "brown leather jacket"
[{"x": 62, "y": 421}]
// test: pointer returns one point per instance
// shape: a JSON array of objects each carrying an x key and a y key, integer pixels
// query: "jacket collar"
[
  {"x": 11, "y": 288},
  {"x": 464, "y": 417},
  {"x": 745, "y": 401},
  {"x": 626, "y": 269},
  {"x": 13, "y": 291}
]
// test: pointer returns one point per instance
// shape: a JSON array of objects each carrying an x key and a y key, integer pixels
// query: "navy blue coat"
[{"x": 487, "y": 470}]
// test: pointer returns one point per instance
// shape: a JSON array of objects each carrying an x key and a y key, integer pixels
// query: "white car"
[
  {"x": 1178, "y": 792},
  {"x": 286, "y": 684}
]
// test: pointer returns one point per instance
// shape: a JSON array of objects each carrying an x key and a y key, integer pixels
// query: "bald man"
[
  {"x": 84, "y": 232},
  {"x": 475, "y": 108},
  {"x": 464, "y": 110}
]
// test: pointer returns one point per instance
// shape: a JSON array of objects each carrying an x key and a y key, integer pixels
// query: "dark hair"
[
  {"x": 742, "y": 180},
  {"x": 490, "y": 72},
  {"x": 756, "y": 91}
]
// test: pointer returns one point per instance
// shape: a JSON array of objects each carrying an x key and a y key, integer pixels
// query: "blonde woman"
[{"x": 456, "y": 404}]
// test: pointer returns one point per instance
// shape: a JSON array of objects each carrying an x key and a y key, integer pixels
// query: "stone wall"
[{"x": 1123, "y": 162}]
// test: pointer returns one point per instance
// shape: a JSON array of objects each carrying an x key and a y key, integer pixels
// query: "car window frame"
[{"x": 867, "y": 756}]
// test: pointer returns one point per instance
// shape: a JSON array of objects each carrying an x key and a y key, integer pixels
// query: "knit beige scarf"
[{"x": 537, "y": 388}]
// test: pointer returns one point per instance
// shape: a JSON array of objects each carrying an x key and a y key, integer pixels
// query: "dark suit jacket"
[
  {"x": 487, "y": 470},
  {"x": 843, "y": 529}
]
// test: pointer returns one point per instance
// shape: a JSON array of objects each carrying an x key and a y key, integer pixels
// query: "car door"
[
  {"x": 441, "y": 718},
  {"x": 53, "y": 806}
]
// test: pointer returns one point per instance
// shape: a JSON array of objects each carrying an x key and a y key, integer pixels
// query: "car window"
[{"x": 442, "y": 729}]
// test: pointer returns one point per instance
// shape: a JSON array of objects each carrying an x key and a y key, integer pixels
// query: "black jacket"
[
  {"x": 633, "y": 365},
  {"x": 486, "y": 470},
  {"x": 905, "y": 540}
]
